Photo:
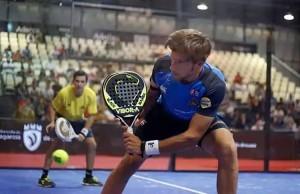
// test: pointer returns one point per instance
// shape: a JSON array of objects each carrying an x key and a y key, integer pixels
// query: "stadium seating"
[{"x": 251, "y": 66}]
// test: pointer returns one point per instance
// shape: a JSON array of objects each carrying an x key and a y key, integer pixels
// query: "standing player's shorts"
[
  {"x": 161, "y": 125},
  {"x": 78, "y": 125}
]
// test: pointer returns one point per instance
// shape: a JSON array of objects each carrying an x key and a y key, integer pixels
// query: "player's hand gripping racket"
[
  {"x": 124, "y": 94},
  {"x": 64, "y": 130}
]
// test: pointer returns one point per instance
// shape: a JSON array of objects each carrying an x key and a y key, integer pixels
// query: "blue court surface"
[{"x": 15, "y": 181}]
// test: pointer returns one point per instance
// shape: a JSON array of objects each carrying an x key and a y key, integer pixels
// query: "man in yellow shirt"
[{"x": 77, "y": 103}]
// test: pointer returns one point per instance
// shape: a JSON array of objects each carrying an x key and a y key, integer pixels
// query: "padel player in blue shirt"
[{"x": 181, "y": 112}]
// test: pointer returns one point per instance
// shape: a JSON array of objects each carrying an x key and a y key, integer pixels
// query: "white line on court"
[{"x": 169, "y": 184}]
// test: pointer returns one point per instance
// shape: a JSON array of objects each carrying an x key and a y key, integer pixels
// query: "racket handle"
[
  {"x": 75, "y": 136},
  {"x": 130, "y": 130}
]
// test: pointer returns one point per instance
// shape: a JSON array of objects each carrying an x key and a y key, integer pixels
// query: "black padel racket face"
[{"x": 124, "y": 93}]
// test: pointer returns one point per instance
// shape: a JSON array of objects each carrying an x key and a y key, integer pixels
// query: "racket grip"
[{"x": 130, "y": 130}]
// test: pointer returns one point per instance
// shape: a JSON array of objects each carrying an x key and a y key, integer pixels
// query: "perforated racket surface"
[
  {"x": 124, "y": 94},
  {"x": 64, "y": 130}
]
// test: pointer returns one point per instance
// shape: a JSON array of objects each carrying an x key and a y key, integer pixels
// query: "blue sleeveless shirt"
[{"x": 183, "y": 100}]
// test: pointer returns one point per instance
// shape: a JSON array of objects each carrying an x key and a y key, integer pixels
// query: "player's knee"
[
  {"x": 92, "y": 145},
  {"x": 227, "y": 151}
]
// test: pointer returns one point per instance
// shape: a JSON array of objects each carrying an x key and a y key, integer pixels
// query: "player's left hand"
[
  {"x": 132, "y": 143},
  {"x": 81, "y": 137}
]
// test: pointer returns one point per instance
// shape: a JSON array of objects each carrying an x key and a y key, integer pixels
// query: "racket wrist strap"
[
  {"x": 84, "y": 132},
  {"x": 151, "y": 148}
]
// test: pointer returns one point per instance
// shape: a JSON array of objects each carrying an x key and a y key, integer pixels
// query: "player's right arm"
[
  {"x": 153, "y": 92},
  {"x": 152, "y": 96},
  {"x": 52, "y": 114}
]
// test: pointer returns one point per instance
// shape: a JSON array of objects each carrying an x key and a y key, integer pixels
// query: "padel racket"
[
  {"x": 124, "y": 94},
  {"x": 64, "y": 130}
]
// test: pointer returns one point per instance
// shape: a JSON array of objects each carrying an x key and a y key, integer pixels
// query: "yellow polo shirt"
[{"x": 75, "y": 108}]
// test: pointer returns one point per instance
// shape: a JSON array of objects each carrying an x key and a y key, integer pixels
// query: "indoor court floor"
[{"x": 24, "y": 181}]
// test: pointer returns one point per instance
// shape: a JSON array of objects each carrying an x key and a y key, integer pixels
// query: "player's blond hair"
[{"x": 190, "y": 42}]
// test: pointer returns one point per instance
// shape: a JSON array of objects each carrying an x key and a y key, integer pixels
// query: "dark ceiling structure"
[{"x": 269, "y": 12}]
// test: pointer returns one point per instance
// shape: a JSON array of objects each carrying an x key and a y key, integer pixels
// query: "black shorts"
[
  {"x": 78, "y": 125},
  {"x": 161, "y": 125}
]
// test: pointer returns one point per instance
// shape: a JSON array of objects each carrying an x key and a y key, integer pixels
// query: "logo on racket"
[
  {"x": 64, "y": 128},
  {"x": 127, "y": 110}
]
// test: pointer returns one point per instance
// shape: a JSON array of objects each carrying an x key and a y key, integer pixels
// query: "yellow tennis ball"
[{"x": 60, "y": 156}]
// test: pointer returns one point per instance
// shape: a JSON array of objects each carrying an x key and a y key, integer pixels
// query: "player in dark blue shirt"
[{"x": 180, "y": 112}]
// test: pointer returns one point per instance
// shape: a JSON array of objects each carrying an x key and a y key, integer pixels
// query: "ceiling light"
[
  {"x": 202, "y": 6},
  {"x": 289, "y": 16}
]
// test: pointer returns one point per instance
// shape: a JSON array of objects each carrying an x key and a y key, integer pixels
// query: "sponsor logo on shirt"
[
  {"x": 205, "y": 102},
  {"x": 163, "y": 89},
  {"x": 195, "y": 93}
]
